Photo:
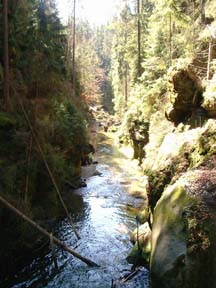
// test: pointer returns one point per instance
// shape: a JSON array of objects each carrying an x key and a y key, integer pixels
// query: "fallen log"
[{"x": 47, "y": 234}]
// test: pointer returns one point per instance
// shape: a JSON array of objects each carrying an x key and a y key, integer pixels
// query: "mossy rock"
[
  {"x": 157, "y": 181},
  {"x": 140, "y": 253},
  {"x": 184, "y": 233},
  {"x": 140, "y": 257},
  {"x": 144, "y": 215},
  {"x": 168, "y": 235}
]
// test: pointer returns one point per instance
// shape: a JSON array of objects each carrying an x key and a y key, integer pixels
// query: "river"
[{"x": 104, "y": 213}]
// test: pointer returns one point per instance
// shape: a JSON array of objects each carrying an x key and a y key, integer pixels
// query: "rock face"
[
  {"x": 182, "y": 199},
  {"x": 184, "y": 233},
  {"x": 180, "y": 151},
  {"x": 172, "y": 160},
  {"x": 185, "y": 93}
]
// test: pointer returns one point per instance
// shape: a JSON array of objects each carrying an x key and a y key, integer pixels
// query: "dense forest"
[
  {"x": 43, "y": 117},
  {"x": 149, "y": 77}
]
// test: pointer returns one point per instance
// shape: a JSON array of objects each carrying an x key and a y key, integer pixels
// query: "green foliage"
[
  {"x": 1, "y": 73},
  {"x": 9, "y": 179},
  {"x": 6, "y": 121},
  {"x": 37, "y": 47},
  {"x": 170, "y": 33},
  {"x": 210, "y": 9},
  {"x": 70, "y": 126},
  {"x": 39, "y": 77}
]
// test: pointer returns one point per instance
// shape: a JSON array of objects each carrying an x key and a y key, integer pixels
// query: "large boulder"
[
  {"x": 172, "y": 160},
  {"x": 184, "y": 232}
]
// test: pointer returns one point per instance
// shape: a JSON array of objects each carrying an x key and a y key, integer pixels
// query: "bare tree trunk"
[
  {"x": 28, "y": 168},
  {"x": 209, "y": 61},
  {"x": 139, "y": 38},
  {"x": 74, "y": 46},
  {"x": 126, "y": 85},
  {"x": 202, "y": 9},
  {"x": 170, "y": 38},
  {"x": 6, "y": 56}
]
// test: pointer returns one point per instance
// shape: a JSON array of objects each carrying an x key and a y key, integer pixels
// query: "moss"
[
  {"x": 201, "y": 233},
  {"x": 144, "y": 215},
  {"x": 168, "y": 232},
  {"x": 187, "y": 150},
  {"x": 170, "y": 205},
  {"x": 9, "y": 179},
  {"x": 205, "y": 146},
  {"x": 7, "y": 121},
  {"x": 168, "y": 236},
  {"x": 183, "y": 236},
  {"x": 157, "y": 182},
  {"x": 140, "y": 256}
]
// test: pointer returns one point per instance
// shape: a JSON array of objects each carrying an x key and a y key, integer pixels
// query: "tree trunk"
[
  {"x": 209, "y": 61},
  {"x": 126, "y": 85},
  {"x": 74, "y": 47},
  {"x": 170, "y": 38},
  {"x": 6, "y": 56},
  {"x": 202, "y": 9},
  {"x": 139, "y": 38}
]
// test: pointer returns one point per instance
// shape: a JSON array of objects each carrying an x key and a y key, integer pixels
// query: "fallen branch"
[
  {"x": 125, "y": 278},
  {"x": 130, "y": 276},
  {"x": 28, "y": 168},
  {"x": 47, "y": 234}
]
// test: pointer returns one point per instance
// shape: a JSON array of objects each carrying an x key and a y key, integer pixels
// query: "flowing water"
[{"x": 104, "y": 213}]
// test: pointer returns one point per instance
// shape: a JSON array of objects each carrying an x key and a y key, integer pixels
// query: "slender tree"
[
  {"x": 202, "y": 9},
  {"x": 139, "y": 38},
  {"x": 126, "y": 84},
  {"x": 170, "y": 37},
  {"x": 74, "y": 45},
  {"x": 6, "y": 56}
]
